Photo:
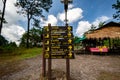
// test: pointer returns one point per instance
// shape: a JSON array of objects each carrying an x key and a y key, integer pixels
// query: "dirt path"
[{"x": 83, "y": 67}]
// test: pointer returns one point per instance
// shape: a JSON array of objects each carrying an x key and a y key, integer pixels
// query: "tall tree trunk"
[
  {"x": 28, "y": 28},
  {"x": 1, "y": 24}
]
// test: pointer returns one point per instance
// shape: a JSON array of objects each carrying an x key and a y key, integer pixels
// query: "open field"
[{"x": 83, "y": 67}]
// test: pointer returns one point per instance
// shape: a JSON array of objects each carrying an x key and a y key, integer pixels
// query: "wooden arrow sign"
[
  {"x": 47, "y": 36},
  {"x": 69, "y": 41},
  {"x": 70, "y": 54},
  {"x": 69, "y": 34},
  {"x": 69, "y": 28},
  {"x": 47, "y": 43},
  {"x": 70, "y": 47},
  {"x": 47, "y": 55},
  {"x": 47, "y": 49}
]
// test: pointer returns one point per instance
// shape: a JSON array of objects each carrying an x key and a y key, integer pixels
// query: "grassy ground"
[
  {"x": 10, "y": 63},
  {"x": 30, "y": 53},
  {"x": 13, "y": 59},
  {"x": 20, "y": 54}
]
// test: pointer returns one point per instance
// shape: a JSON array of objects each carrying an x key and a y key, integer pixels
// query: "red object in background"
[{"x": 99, "y": 49}]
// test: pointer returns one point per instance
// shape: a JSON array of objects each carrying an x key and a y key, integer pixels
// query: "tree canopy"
[
  {"x": 117, "y": 8},
  {"x": 3, "y": 41},
  {"x": 35, "y": 39},
  {"x": 32, "y": 9},
  {"x": 2, "y": 20}
]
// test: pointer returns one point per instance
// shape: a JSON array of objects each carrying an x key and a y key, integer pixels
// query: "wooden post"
[
  {"x": 49, "y": 59},
  {"x": 43, "y": 59},
  {"x": 68, "y": 69},
  {"x": 49, "y": 69},
  {"x": 67, "y": 63}
]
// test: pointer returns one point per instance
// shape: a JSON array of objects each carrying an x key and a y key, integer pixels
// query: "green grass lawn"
[
  {"x": 10, "y": 60},
  {"x": 30, "y": 53},
  {"x": 20, "y": 54}
]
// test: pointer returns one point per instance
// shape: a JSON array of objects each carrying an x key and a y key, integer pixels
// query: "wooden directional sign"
[
  {"x": 70, "y": 54},
  {"x": 48, "y": 49},
  {"x": 47, "y": 36},
  {"x": 69, "y": 28},
  {"x": 69, "y": 41},
  {"x": 47, "y": 55},
  {"x": 58, "y": 41},
  {"x": 70, "y": 47}
]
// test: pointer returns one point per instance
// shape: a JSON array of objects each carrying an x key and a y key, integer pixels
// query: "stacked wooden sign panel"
[{"x": 58, "y": 42}]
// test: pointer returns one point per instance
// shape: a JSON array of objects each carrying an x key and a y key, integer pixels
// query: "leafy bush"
[
  {"x": 6, "y": 47},
  {"x": 3, "y": 41}
]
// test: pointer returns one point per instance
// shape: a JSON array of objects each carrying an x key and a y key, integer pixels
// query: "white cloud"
[
  {"x": 51, "y": 19},
  {"x": 100, "y": 19},
  {"x": 83, "y": 26},
  {"x": 70, "y": 6},
  {"x": 73, "y": 14},
  {"x": 11, "y": 14},
  {"x": 13, "y": 33}
]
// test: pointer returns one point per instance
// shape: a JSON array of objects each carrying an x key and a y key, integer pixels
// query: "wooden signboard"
[{"x": 58, "y": 42}]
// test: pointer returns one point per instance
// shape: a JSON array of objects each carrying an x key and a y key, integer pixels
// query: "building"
[{"x": 108, "y": 35}]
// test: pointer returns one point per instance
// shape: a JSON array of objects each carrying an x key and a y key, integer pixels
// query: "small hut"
[{"x": 109, "y": 32}]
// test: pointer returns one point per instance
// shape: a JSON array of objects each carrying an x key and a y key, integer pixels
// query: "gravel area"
[{"x": 83, "y": 67}]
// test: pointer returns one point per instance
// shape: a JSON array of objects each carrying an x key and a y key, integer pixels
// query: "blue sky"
[
  {"x": 93, "y": 12},
  {"x": 81, "y": 15},
  {"x": 91, "y": 8}
]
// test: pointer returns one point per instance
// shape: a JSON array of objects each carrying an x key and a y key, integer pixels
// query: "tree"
[
  {"x": 2, "y": 17},
  {"x": 117, "y": 8},
  {"x": 34, "y": 38},
  {"x": 93, "y": 27},
  {"x": 12, "y": 45},
  {"x": 5, "y": 46},
  {"x": 75, "y": 38},
  {"x": 101, "y": 24},
  {"x": 23, "y": 40},
  {"x": 3, "y": 41},
  {"x": 4, "y": 21},
  {"x": 32, "y": 9}
]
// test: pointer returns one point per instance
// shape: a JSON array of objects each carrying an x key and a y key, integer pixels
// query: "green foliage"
[
  {"x": 32, "y": 9},
  {"x": 101, "y": 24},
  {"x": 5, "y": 46},
  {"x": 3, "y": 41},
  {"x": 93, "y": 27},
  {"x": 9, "y": 48},
  {"x": 21, "y": 54},
  {"x": 35, "y": 35},
  {"x": 36, "y": 23},
  {"x": 117, "y": 8},
  {"x": 106, "y": 43},
  {"x": 13, "y": 44},
  {"x": 75, "y": 38},
  {"x": 30, "y": 53}
]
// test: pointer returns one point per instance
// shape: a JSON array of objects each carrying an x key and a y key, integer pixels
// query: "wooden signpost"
[{"x": 57, "y": 44}]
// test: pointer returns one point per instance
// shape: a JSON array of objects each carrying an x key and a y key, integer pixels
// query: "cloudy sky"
[{"x": 81, "y": 15}]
